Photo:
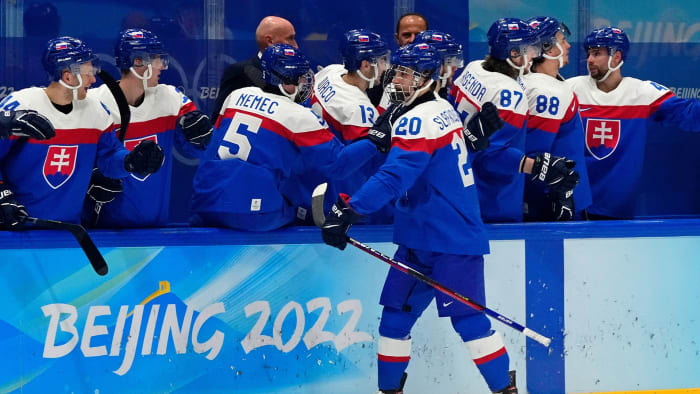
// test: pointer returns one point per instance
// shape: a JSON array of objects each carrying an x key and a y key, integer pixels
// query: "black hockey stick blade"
[
  {"x": 91, "y": 252},
  {"x": 317, "y": 199}
]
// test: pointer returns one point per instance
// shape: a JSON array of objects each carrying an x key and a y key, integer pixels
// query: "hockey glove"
[
  {"x": 103, "y": 189},
  {"x": 380, "y": 132},
  {"x": 562, "y": 204},
  {"x": 12, "y": 212},
  {"x": 554, "y": 171},
  {"x": 197, "y": 128},
  {"x": 338, "y": 222},
  {"x": 481, "y": 126},
  {"x": 25, "y": 123},
  {"x": 146, "y": 158}
]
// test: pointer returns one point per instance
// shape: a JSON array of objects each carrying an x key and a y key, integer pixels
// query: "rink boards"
[{"x": 207, "y": 310}]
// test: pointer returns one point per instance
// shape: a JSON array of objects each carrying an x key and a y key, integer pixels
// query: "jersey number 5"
[{"x": 235, "y": 144}]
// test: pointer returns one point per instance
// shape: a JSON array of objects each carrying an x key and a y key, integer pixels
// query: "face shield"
[
  {"x": 521, "y": 57},
  {"x": 379, "y": 65},
  {"x": 554, "y": 41},
  {"x": 403, "y": 84},
  {"x": 88, "y": 68},
  {"x": 450, "y": 63}
]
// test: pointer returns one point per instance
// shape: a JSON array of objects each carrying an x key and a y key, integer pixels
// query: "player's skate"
[
  {"x": 398, "y": 390},
  {"x": 511, "y": 389}
]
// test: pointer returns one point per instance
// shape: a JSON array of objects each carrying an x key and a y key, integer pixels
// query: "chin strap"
[
  {"x": 445, "y": 76},
  {"x": 559, "y": 57},
  {"x": 290, "y": 96},
  {"x": 610, "y": 69},
  {"x": 521, "y": 69},
  {"x": 73, "y": 88},
  {"x": 370, "y": 80},
  {"x": 146, "y": 76},
  {"x": 417, "y": 93}
]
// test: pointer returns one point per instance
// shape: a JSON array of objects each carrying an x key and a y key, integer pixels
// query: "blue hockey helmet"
[
  {"x": 67, "y": 53},
  {"x": 360, "y": 44},
  {"x": 612, "y": 38},
  {"x": 419, "y": 57},
  {"x": 285, "y": 64},
  {"x": 447, "y": 46},
  {"x": 507, "y": 35},
  {"x": 140, "y": 44},
  {"x": 546, "y": 29},
  {"x": 413, "y": 64}
]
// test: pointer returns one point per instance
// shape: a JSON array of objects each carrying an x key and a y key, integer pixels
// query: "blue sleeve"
[
  {"x": 187, "y": 148},
  {"x": 110, "y": 156},
  {"x": 504, "y": 152},
  {"x": 570, "y": 139},
  {"x": 678, "y": 112},
  {"x": 391, "y": 181},
  {"x": 336, "y": 160}
]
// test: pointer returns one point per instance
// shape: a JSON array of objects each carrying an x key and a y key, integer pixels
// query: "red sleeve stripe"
[
  {"x": 189, "y": 107},
  {"x": 656, "y": 104},
  {"x": 150, "y": 127},
  {"x": 487, "y": 358},
  {"x": 460, "y": 95},
  {"x": 513, "y": 119},
  {"x": 545, "y": 124},
  {"x": 348, "y": 131},
  {"x": 428, "y": 146},
  {"x": 571, "y": 111},
  {"x": 393, "y": 359},
  {"x": 623, "y": 111},
  {"x": 71, "y": 137},
  {"x": 306, "y": 138}
]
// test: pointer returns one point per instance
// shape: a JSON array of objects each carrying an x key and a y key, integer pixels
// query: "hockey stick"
[
  {"x": 319, "y": 217},
  {"x": 78, "y": 231},
  {"x": 124, "y": 115}
]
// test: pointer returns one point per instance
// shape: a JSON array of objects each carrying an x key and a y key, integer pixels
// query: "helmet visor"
[
  {"x": 90, "y": 67},
  {"x": 305, "y": 85}
]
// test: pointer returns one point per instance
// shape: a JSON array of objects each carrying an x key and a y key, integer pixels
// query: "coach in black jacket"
[{"x": 271, "y": 30}]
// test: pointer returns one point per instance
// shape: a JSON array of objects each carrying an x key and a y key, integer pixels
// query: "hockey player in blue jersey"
[
  {"x": 264, "y": 140},
  {"x": 553, "y": 125},
  {"x": 437, "y": 225},
  {"x": 160, "y": 113},
  {"x": 25, "y": 123},
  {"x": 51, "y": 177},
  {"x": 499, "y": 161},
  {"x": 616, "y": 113}
]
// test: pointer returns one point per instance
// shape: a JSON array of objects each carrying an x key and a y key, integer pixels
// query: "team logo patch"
[
  {"x": 136, "y": 34},
  {"x": 513, "y": 26},
  {"x": 61, "y": 45},
  {"x": 602, "y": 137},
  {"x": 363, "y": 38},
  {"x": 422, "y": 46},
  {"x": 616, "y": 31},
  {"x": 436, "y": 37},
  {"x": 131, "y": 144},
  {"x": 59, "y": 164},
  {"x": 534, "y": 24},
  {"x": 289, "y": 52}
]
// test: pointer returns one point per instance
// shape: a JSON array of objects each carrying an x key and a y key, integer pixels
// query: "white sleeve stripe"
[{"x": 394, "y": 347}]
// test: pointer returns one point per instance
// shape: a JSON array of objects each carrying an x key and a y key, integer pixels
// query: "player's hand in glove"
[
  {"x": 25, "y": 123},
  {"x": 555, "y": 172},
  {"x": 380, "y": 132},
  {"x": 103, "y": 189},
  {"x": 481, "y": 126},
  {"x": 563, "y": 208},
  {"x": 197, "y": 128},
  {"x": 146, "y": 158},
  {"x": 338, "y": 222},
  {"x": 12, "y": 212}
]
